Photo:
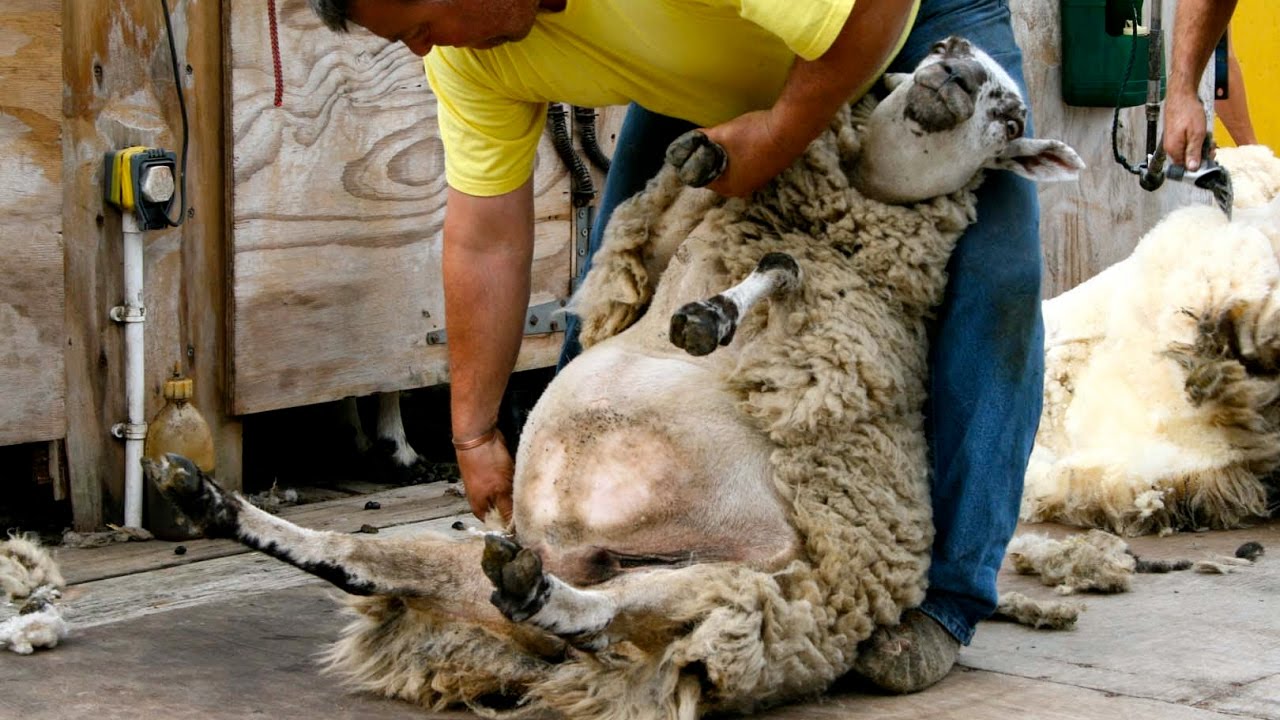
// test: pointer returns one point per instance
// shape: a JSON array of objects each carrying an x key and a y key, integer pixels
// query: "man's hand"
[
  {"x": 487, "y": 471},
  {"x": 1185, "y": 128},
  {"x": 1197, "y": 27},
  {"x": 758, "y": 150}
]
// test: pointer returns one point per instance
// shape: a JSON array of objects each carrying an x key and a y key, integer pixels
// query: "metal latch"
[{"x": 541, "y": 319}]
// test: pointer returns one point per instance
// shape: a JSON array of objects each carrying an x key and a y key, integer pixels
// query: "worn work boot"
[{"x": 909, "y": 657}]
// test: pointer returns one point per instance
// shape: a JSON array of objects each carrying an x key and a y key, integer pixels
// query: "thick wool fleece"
[
  {"x": 834, "y": 375},
  {"x": 26, "y": 567},
  {"x": 1163, "y": 373}
]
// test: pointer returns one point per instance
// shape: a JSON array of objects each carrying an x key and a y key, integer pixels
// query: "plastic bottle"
[{"x": 177, "y": 428}]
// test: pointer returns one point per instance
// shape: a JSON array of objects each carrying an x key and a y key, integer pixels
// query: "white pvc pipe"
[{"x": 135, "y": 432}]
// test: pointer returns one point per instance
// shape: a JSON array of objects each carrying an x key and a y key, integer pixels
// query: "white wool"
[
  {"x": 26, "y": 566},
  {"x": 1095, "y": 561},
  {"x": 1118, "y": 431},
  {"x": 40, "y": 629},
  {"x": 32, "y": 584},
  {"x": 1255, "y": 174},
  {"x": 1038, "y": 614}
]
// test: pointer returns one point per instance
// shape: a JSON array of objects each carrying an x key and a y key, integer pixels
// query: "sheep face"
[{"x": 958, "y": 113}]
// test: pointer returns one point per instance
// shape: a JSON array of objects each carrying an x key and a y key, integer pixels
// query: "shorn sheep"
[
  {"x": 1162, "y": 374},
  {"x": 709, "y": 532}
]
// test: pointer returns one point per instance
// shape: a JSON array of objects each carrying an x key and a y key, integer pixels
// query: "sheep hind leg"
[
  {"x": 429, "y": 565},
  {"x": 650, "y": 605},
  {"x": 699, "y": 327},
  {"x": 526, "y": 594}
]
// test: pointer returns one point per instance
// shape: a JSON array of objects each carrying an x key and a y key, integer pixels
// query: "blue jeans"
[{"x": 987, "y": 354}]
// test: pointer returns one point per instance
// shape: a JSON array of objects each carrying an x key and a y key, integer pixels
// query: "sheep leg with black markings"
[
  {"x": 428, "y": 565},
  {"x": 699, "y": 327}
]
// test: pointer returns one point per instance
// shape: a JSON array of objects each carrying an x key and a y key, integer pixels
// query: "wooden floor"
[{"x": 220, "y": 634}]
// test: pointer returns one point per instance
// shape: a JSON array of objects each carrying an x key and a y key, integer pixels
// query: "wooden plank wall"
[
  {"x": 119, "y": 91},
  {"x": 338, "y": 199},
  {"x": 32, "y": 382},
  {"x": 1089, "y": 225}
]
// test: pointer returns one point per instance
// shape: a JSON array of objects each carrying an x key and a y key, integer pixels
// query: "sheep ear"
[
  {"x": 893, "y": 80},
  {"x": 1039, "y": 160}
]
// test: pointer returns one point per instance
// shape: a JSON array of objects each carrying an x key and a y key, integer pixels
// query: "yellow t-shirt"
[{"x": 706, "y": 61}]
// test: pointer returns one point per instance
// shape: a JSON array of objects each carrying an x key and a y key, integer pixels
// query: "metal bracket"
[
  {"x": 583, "y": 218},
  {"x": 129, "y": 431},
  {"x": 128, "y": 314},
  {"x": 541, "y": 319}
]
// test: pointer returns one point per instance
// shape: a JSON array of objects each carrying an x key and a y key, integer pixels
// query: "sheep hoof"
[
  {"x": 698, "y": 327},
  {"x": 387, "y": 458},
  {"x": 698, "y": 159},
  {"x": 516, "y": 573},
  {"x": 195, "y": 494}
]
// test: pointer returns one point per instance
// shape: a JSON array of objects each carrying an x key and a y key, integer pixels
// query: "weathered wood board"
[
  {"x": 118, "y": 90},
  {"x": 338, "y": 201},
  {"x": 32, "y": 380},
  {"x": 1088, "y": 225}
]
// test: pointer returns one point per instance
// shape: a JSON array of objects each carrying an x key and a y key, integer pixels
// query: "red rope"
[{"x": 275, "y": 52}]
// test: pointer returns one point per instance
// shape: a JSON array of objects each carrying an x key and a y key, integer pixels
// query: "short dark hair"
[{"x": 335, "y": 14}]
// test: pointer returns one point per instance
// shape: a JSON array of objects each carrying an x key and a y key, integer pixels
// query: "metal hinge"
[
  {"x": 583, "y": 218},
  {"x": 542, "y": 319}
]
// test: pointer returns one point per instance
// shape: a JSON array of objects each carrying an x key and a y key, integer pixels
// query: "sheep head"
[{"x": 958, "y": 113}]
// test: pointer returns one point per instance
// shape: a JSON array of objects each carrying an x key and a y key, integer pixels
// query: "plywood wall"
[
  {"x": 1089, "y": 225},
  {"x": 32, "y": 386},
  {"x": 119, "y": 91},
  {"x": 338, "y": 200}
]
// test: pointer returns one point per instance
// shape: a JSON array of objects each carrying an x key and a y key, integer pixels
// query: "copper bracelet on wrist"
[{"x": 483, "y": 438}]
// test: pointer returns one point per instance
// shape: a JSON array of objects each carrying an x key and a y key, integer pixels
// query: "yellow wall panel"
[{"x": 1254, "y": 28}]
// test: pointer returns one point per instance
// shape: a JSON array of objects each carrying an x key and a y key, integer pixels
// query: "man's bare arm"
[
  {"x": 762, "y": 144},
  {"x": 1198, "y": 25},
  {"x": 488, "y": 253}
]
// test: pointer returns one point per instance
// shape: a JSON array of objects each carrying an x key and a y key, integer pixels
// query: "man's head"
[
  {"x": 423, "y": 24},
  {"x": 957, "y": 113}
]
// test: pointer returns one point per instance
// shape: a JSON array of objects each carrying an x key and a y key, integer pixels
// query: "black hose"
[
  {"x": 585, "y": 119},
  {"x": 182, "y": 107},
  {"x": 582, "y": 189},
  {"x": 1115, "y": 119}
]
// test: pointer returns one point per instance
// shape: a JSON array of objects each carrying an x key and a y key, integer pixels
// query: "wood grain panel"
[
  {"x": 118, "y": 90},
  {"x": 338, "y": 202},
  {"x": 32, "y": 379}
]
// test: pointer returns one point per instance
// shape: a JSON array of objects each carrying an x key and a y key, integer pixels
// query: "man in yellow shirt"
[{"x": 763, "y": 78}]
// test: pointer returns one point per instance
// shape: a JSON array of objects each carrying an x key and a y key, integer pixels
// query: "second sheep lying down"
[{"x": 1162, "y": 374}]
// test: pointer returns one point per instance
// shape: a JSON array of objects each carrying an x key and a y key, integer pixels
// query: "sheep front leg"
[
  {"x": 643, "y": 234},
  {"x": 699, "y": 327}
]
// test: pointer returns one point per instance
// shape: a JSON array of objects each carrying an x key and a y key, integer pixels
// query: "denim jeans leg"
[
  {"x": 987, "y": 355},
  {"x": 637, "y": 157}
]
